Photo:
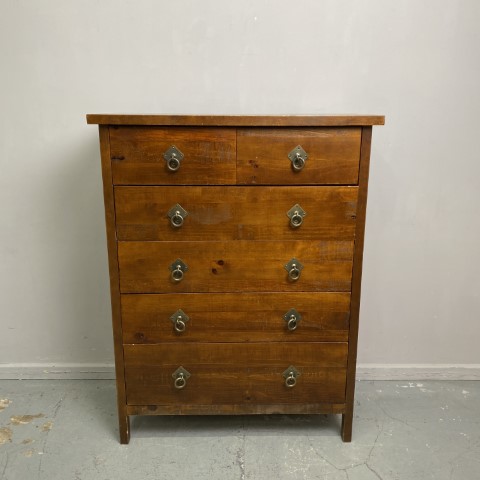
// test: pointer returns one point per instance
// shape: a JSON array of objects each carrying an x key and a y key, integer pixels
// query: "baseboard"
[
  {"x": 365, "y": 371},
  {"x": 58, "y": 371},
  {"x": 373, "y": 371}
]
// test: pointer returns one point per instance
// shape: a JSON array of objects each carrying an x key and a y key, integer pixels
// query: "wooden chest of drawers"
[{"x": 235, "y": 255}]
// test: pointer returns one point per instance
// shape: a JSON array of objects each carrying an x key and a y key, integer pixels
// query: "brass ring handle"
[
  {"x": 291, "y": 380},
  {"x": 292, "y": 323},
  {"x": 177, "y": 219},
  {"x": 177, "y": 274},
  {"x": 298, "y": 162},
  {"x": 173, "y": 163},
  {"x": 180, "y": 381},
  {"x": 180, "y": 325},
  {"x": 294, "y": 273},
  {"x": 177, "y": 269},
  {"x": 180, "y": 377},
  {"x": 173, "y": 156},
  {"x": 296, "y": 219},
  {"x": 290, "y": 375}
]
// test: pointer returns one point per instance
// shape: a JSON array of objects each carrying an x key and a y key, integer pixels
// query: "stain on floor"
[
  {"x": 4, "y": 403},
  {"x": 47, "y": 426},
  {"x": 5, "y": 435},
  {"x": 24, "y": 419}
]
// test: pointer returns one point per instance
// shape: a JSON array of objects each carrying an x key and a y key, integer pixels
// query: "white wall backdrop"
[{"x": 416, "y": 62}]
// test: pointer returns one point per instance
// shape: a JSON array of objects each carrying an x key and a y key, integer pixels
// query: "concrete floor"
[{"x": 66, "y": 429}]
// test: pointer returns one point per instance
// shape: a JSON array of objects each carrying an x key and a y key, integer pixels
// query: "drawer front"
[
  {"x": 236, "y": 266},
  {"x": 137, "y": 155},
  {"x": 235, "y": 373},
  {"x": 333, "y": 155},
  {"x": 260, "y": 317},
  {"x": 235, "y": 213}
]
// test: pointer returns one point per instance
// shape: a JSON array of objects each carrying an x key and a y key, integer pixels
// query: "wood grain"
[
  {"x": 236, "y": 266},
  {"x": 124, "y": 423},
  {"x": 258, "y": 213},
  {"x": 333, "y": 155},
  {"x": 137, "y": 155},
  {"x": 234, "y": 373},
  {"x": 237, "y": 120},
  {"x": 219, "y": 318}
]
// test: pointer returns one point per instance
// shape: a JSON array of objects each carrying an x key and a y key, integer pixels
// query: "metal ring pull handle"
[
  {"x": 177, "y": 220},
  {"x": 298, "y": 162},
  {"x": 298, "y": 156},
  {"x": 180, "y": 376},
  {"x": 294, "y": 268},
  {"x": 177, "y": 215},
  {"x": 291, "y": 374},
  {"x": 173, "y": 164},
  {"x": 296, "y": 219},
  {"x": 291, "y": 380},
  {"x": 180, "y": 381},
  {"x": 296, "y": 214},
  {"x": 292, "y": 323},
  {"x": 177, "y": 274},
  {"x": 292, "y": 317},
  {"x": 179, "y": 320},
  {"x": 180, "y": 325},
  {"x": 173, "y": 156},
  {"x": 294, "y": 273},
  {"x": 178, "y": 269}
]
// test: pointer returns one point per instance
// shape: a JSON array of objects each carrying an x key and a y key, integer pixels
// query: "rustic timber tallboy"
[{"x": 235, "y": 253}]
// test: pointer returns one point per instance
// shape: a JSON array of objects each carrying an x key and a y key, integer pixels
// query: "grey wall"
[{"x": 415, "y": 62}]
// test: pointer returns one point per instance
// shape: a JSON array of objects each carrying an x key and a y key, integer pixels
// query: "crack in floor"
[
  {"x": 43, "y": 448},
  {"x": 6, "y": 465},
  {"x": 404, "y": 422},
  {"x": 373, "y": 471}
]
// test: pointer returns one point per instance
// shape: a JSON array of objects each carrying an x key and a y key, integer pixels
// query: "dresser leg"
[
  {"x": 347, "y": 420},
  {"x": 124, "y": 424}
]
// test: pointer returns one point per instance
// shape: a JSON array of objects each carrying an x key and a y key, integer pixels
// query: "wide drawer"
[
  {"x": 236, "y": 266},
  {"x": 243, "y": 317},
  {"x": 235, "y": 373},
  {"x": 333, "y": 155},
  {"x": 137, "y": 155},
  {"x": 235, "y": 213}
]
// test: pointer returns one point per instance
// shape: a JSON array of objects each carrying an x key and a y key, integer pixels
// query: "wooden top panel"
[{"x": 237, "y": 120}]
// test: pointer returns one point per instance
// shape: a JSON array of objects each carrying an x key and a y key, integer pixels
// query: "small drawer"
[
  {"x": 140, "y": 155},
  {"x": 243, "y": 317},
  {"x": 332, "y": 156},
  {"x": 235, "y": 266},
  {"x": 235, "y": 213},
  {"x": 235, "y": 373}
]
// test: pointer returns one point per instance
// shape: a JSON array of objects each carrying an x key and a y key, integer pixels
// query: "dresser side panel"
[
  {"x": 356, "y": 281},
  {"x": 114, "y": 281}
]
